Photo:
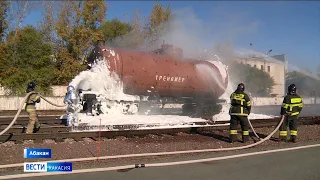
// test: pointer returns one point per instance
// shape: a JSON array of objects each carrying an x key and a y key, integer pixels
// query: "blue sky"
[{"x": 288, "y": 27}]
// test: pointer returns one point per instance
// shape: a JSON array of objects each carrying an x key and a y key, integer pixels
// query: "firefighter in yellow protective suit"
[
  {"x": 239, "y": 111},
  {"x": 291, "y": 108},
  {"x": 30, "y": 108}
]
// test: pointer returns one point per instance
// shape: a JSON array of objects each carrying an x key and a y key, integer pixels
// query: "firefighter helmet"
[
  {"x": 32, "y": 85},
  {"x": 292, "y": 89},
  {"x": 70, "y": 88},
  {"x": 240, "y": 87}
]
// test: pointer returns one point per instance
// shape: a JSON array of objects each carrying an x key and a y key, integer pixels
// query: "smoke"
[
  {"x": 187, "y": 32},
  {"x": 244, "y": 53},
  {"x": 294, "y": 68},
  {"x": 210, "y": 38},
  {"x": 197, "y": 37},
  {"x": 211, "y": 35}
]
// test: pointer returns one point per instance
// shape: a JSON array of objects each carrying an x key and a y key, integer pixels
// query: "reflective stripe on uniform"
[
  {"x": 294, "y": 105},
  {"x": 295, "y": 100},
  {"x": 293, "y": 133},
  {"x": 30, "y": 110},
  {"x": 284, "y": 105},
  {"x": 239, "y": 114},
  {"x": 245, "y": 133},
  {"x": 37, "y": 97},
  {"x": 239, "y": 97},
  {"x": 283, "y": 133},
  {"x": 241, "y": 107},
  {"x": 233, "y": 132}
]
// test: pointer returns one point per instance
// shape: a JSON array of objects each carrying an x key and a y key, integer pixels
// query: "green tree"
[
  {"x": 294, "y": 75},
  {"x": 134, "y": 39},
  {"x": 66, "y": 67},
  {"x": 27, "y": 58},
  {"x": 3, "y": 29},
  {"x": 47, "y": 25},
  {"x": 306, "y": 85},
  {"x": 158, "y": 19},
  {"x": 114, "y": 28},
  {"x": 78, "y": 26},
  {"x": 258, "y": 82},
  {"x": 3, "y": 18}
]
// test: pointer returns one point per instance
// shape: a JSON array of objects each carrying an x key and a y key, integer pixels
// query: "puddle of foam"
[{"x": 138, "y": 119}]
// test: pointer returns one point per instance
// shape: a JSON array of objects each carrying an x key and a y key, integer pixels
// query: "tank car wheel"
[
  {"x": 210, "y": 110},
  {"x": 188, "y": 109}
]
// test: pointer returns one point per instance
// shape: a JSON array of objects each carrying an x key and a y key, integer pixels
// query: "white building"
[{"x": 276, "y": 66}]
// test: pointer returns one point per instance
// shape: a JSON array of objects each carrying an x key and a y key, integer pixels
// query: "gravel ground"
[{"x": 13, "y": 153}]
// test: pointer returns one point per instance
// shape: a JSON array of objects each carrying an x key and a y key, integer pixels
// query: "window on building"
[
  {"x": 261, "y": 67},
  {"x": 268, "y": 68}
]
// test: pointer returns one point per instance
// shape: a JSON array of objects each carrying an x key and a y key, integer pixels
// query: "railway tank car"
[{"x": 164, "y": 75}]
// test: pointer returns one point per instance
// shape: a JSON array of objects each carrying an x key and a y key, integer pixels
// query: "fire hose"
[
  {"x": 21, "y": 106},
  {"x": 143, "y": 154},
  {"x": 254, "y": 132},
  {"x": 159, "y": 153},
  {"x": 205, "y": 150}
]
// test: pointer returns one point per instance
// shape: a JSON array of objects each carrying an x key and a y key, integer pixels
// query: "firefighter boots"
[{"x": 245, "y": 138}]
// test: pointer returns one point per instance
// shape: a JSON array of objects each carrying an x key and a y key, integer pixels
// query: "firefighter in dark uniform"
[
  {"x": 291, "y": 108},
  {"x": 239, "y": 111},
  {"x": 30, "y": 108}
]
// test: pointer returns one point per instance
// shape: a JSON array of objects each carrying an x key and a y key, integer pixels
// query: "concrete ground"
[{"x": 295, "y": 164}]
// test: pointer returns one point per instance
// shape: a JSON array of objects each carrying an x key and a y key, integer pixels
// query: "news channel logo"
[
  {"x": 37, "y": 153},
  {"x": 47, "y": 167}
]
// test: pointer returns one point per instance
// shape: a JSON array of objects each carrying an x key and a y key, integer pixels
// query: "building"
[{"x": 276, "y": 66}]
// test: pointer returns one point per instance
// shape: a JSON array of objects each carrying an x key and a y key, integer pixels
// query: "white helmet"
[{"x": 70, "y": 88}]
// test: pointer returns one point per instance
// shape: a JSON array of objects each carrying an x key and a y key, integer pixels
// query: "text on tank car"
[{"x": 168, "y": 78}]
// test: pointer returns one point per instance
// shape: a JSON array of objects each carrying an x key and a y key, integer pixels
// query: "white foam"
[
  {"x": 206, "y": 72},
  {"x": 162, "y": 120},
  {"x": 100, "y": 80},
  {"x": 222, "y": 68},
  {"x": 226, "y": 117}
]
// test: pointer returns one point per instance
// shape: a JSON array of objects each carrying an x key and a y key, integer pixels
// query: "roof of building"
[{"x": 280, "y": 57}]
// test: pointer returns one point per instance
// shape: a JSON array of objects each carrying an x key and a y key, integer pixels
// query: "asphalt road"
[{"x": 297, "y": 164}]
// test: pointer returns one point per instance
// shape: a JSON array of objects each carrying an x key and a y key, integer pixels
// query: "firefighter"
[
  {"x": 239, "y": 111},
  {"x": 30, "y": 108},
  {"x": 72, "y": 99},
  {"x": 291, "y": 108}
]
